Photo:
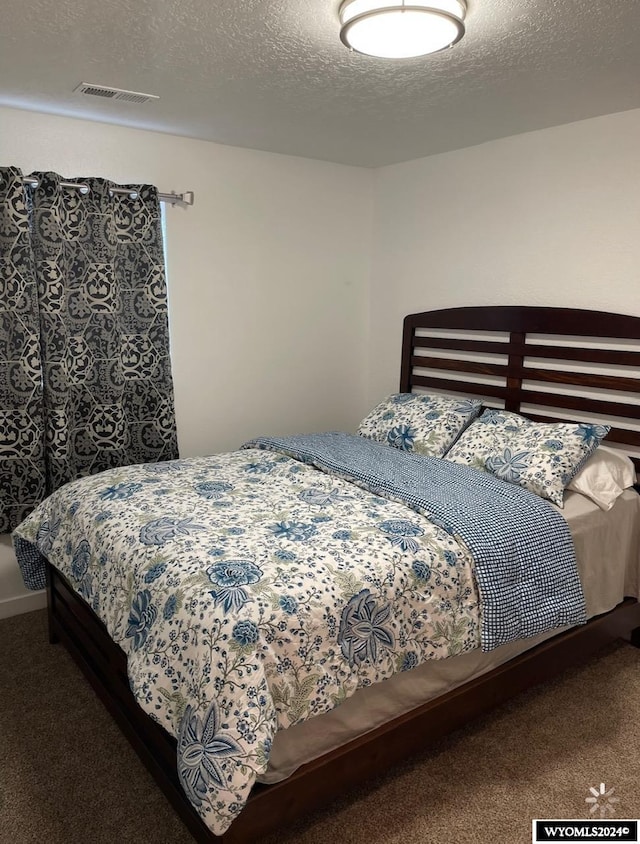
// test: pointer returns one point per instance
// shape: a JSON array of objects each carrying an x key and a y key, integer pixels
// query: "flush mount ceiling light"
[{"x": 401, "y": 30}]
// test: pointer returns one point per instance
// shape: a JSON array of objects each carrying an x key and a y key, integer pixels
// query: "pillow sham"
[
  {"x": 541, "y": 457},
  {"x": 479, "y": 440},
  {"x": 424, "y": 424},
  {"x": 604, "y": 477}
]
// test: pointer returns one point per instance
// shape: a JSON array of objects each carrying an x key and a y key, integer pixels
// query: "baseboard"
[{"x": 23, "y": 603}]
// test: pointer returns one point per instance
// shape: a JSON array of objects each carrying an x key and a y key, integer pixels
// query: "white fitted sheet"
[{"x": 608, "y": 553}]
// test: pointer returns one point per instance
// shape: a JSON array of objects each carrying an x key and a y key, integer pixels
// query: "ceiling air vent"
[{"x": 113, "y": 93}]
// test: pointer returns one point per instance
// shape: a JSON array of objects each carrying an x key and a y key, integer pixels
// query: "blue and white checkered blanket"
[{"x": 525, "y": 562}]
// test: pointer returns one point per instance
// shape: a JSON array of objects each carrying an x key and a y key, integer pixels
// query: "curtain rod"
[{"x": 172, "y": 198}]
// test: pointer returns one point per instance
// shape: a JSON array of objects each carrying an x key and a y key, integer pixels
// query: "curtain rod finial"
[{"x": 173, "y": 198}]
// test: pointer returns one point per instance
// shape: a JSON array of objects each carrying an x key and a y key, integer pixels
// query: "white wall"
[
  {"x": 544, "y": 218},
  {"x": 268, "y": 277},
  {"x": 269, "y": 270}
]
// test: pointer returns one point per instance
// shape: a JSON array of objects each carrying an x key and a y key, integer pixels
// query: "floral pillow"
[
  {"x": 540, "y": 457},
  {"x": 478, "y": 441},
  {"x": 425, "y": 424}
]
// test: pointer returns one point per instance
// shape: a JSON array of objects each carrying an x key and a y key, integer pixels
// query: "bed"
[{"x": 547, "y": 364}]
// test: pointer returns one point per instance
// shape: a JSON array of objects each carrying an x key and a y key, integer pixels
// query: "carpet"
[{"x": 67, "y": 775}]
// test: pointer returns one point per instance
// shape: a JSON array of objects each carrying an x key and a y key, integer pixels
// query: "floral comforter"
[{"x": 251, "y": 591}]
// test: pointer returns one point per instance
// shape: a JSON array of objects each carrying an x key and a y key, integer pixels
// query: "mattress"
[
  {"x": 250, "y": 590},
  {"x": 607, "y": 548}
]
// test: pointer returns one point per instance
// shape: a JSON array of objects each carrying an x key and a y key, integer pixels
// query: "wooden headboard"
[{"x": 550, "y": 364}]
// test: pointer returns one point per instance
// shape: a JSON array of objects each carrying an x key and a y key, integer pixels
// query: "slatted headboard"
[{"x": 550, "y": 364}]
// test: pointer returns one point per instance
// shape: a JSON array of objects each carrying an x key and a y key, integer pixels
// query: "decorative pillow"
[
  {"x": 425, "y": 424},
  {"x": 540, "y": 457},
  {"x": 479, "y": 440},
  {"x": 605, "y": 476}
]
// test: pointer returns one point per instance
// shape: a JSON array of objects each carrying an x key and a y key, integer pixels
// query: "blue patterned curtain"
[{"x": 100, "y": 325}]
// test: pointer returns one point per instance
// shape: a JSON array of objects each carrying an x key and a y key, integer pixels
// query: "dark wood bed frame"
[{"x": 504, "y": 361}]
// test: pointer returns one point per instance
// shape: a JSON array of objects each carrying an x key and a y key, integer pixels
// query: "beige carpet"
[{"x": 67, "y": 776}]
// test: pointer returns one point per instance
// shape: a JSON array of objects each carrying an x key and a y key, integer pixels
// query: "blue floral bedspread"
[
  {"x": 251, "y": 591},
  {"x": 523, "y": 552}
]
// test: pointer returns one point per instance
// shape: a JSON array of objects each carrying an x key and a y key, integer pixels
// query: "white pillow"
[{"x": 605, "y": 475}]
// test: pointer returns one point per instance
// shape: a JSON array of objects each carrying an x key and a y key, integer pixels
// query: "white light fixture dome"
[{"x": 401, "y": 30}]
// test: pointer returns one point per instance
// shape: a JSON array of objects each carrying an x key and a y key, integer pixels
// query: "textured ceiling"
[{"x": 273, "y": 75}]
